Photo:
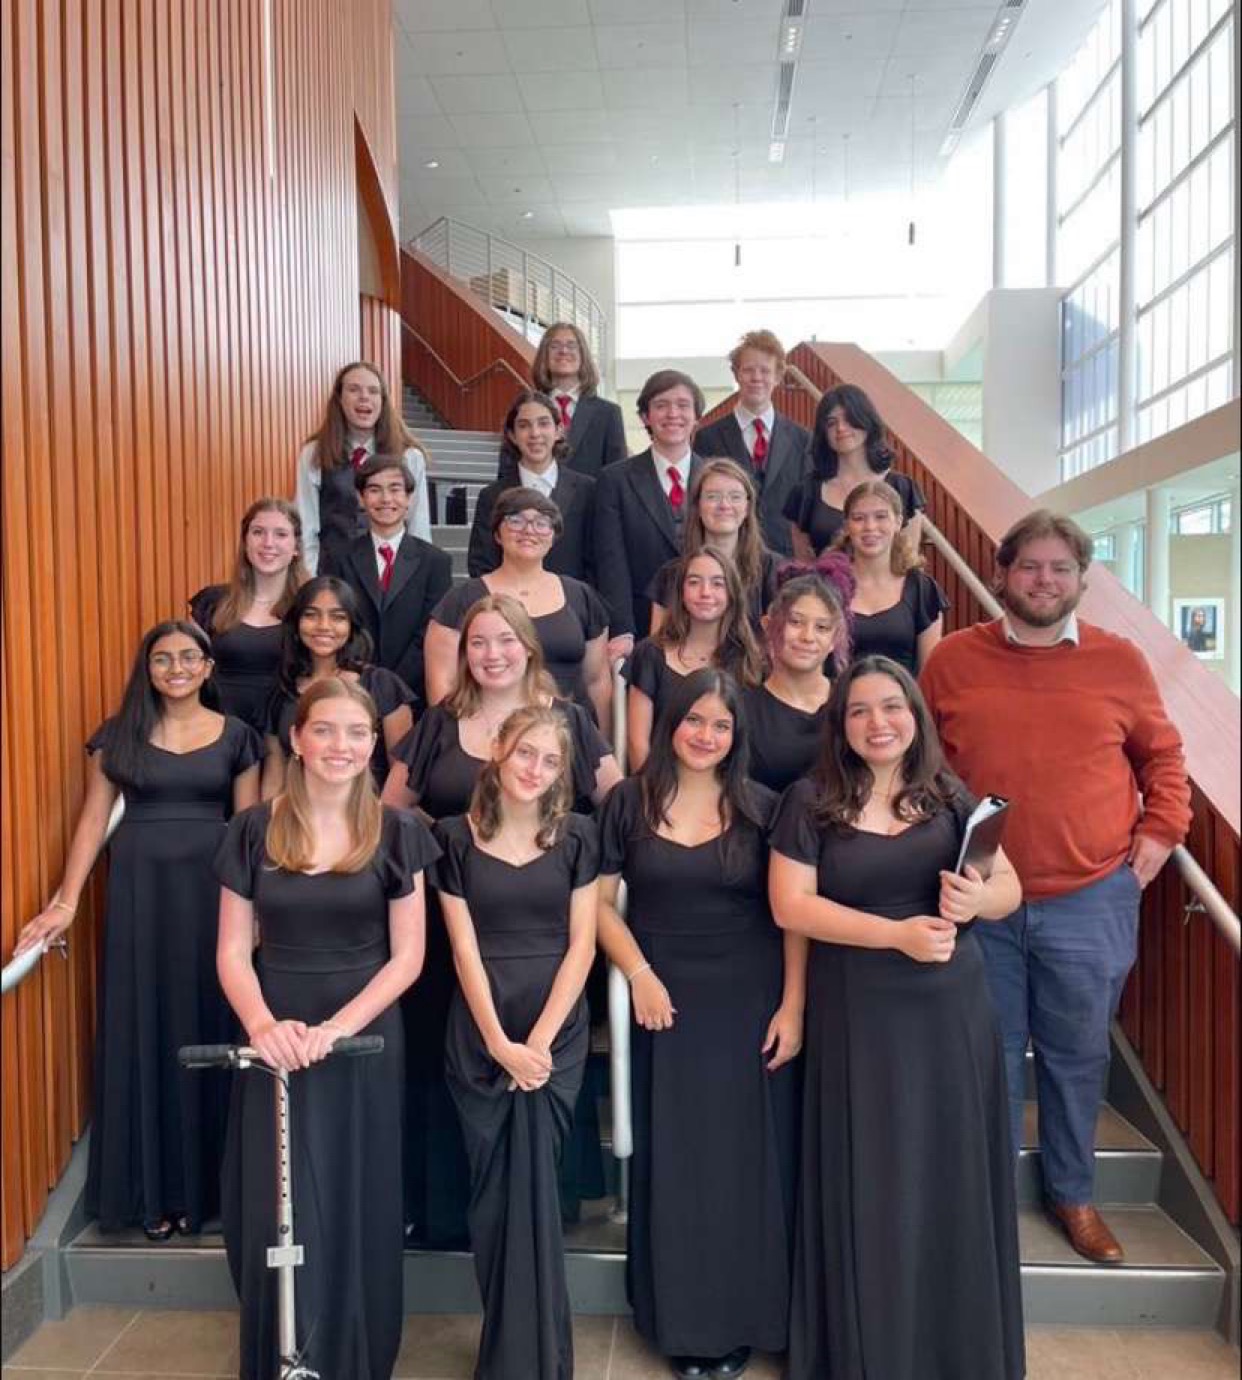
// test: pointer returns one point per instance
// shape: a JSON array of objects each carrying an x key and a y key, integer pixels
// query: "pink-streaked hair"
[{"x": 830, "y": 579}]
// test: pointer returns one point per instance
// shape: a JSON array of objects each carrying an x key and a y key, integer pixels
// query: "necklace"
[{"x": 689, "y": 658}]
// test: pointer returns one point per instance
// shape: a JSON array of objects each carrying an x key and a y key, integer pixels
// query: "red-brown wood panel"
[{"x": 180, "y": 282}]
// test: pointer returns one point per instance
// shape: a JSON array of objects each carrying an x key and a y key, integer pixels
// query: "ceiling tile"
[
  {"x": 477, "y": 95},
  {"x": 641, "y": 45},
  {"x": 440, "y": 191},
  {"x": 586, "y": 218},
  {"x": 528, "y": 191},
  {"x": 858, "y": 6},
  {"x": 659, "y": 89},
  {"x": 848, "y": 37},
  {"x": 524, "y": 161},
  {"x": 493, "y": 131},
  {"x": 452, "y": 163},
  {"x": 738, "y": 11},
  {"x": 751, "y": 84},
  {"x": 417, "y": 132},
  {"x": 545, "y": 219},
  {"x": 415, "y": 97},
  {"x": 561, "y": 90},
  {"x": 570, "y": 159},
  {"x": 646, "y": 121},
  {"x": 731, "y": 46},
  {"x": 605, "y": 12},
  {"x": 427, "y": 16},
  {"x": 952, "y": 31},
  {"x": 550, "y": 50},
  {"x": 541, "y": 14},
  {"x": 584, "y": 127},
  {"x": 438, "y": 54}
]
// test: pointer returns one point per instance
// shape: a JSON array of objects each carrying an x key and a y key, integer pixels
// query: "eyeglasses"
[
  {"x": 519, "y": 522},
  {"x": 728, "y": 498},
  {"x": 563, "y": 347},
  {"x": 190, "y": 660}
]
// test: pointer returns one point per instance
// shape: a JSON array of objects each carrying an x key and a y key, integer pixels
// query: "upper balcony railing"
[{"x": 527, "y": 290}]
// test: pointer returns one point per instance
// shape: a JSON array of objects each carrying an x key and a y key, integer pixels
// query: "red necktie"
[
  {"x": 563, "y": 401},
  {"x": 676, "y": 494},
  {"x": 760, "y": 453},
  {"x": 387, "y": 556},
  {"x": 358, "y": 456}
]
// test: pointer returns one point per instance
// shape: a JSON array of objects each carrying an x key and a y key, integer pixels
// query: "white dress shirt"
[
  {"x": 541, "y": 483},
  {"x": 664, "y": 463},
  {"x": 393, "y": 543},
  {"x": 746, "y": 420},
  {"x": 1069, "y": 633}
]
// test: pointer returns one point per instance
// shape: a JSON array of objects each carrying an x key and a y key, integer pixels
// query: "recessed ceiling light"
[
  {"x": 528, "y": 215},
  {"x": 432, "y": 163}
]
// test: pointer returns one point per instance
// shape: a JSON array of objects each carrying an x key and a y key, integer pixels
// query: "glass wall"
[{"x": 1088, "y": 244}]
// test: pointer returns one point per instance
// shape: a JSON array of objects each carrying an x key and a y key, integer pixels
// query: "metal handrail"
[
  {"x": 618, "y": 988},
  {"x": 18, "y": 969},
  {"x": 465, "y": 385},
  {"x": 475, "y": 257}
]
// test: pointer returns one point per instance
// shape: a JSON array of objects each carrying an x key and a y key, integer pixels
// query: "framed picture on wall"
[{"x": 1200, "y": 623}]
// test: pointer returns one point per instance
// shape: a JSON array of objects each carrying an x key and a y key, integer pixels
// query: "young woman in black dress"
[
  {"x": 806, "y": 629},
  {"x": 435, "y": 770},
  {"x": 324, "y": 636},
  {"x": 721, "y": 514},
  {"x": 156, "y": 1136},
  {"x": 331, "y": 883},
  {"x": 906, "y": 1252},
  {"x": 707, "y": 625},
  {"x": 898, "y": 608},
  {"x": 243, "y": 618},
  {"x": 718, "y": 1001},
  {"x": 847, "y": 448},
  {"x": 569, "y": 617},
  {"x": 517, "y": 885}
]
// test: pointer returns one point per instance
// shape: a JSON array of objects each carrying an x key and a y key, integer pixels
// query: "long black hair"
[
  {"x": 295, "y": 657},
  {"x": 861, "y": 414},
  {"x": 657, "y": 781},
  {"x": 843, "y": 781},
  {"x": 142, "y": 706}
]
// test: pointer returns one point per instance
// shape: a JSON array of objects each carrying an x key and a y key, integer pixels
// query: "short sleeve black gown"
[
  {"x": 715, "y": 1135},
  {"x": 785, "y": 741},
  {"x": 805, "y": 507},
  {"x": 906, "y": 1248},
  {"x": 385, "y": 687},
  {"x": 247, "y": 660},
  {"x": 648, "y": 670},
  {"x": 442, "y": 777},
  {"x": 157, "y": 1134},
  {"x": 323, "y": 937},
  {"x": 894, "y": 631},
  {"x": 563, "y": 634},
  {"x": 514, "y": 1139}
]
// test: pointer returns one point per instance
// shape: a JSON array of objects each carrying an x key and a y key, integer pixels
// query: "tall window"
[
  {"x": 1088, "y": 244},
  {"x": 1186, "y": 231}
]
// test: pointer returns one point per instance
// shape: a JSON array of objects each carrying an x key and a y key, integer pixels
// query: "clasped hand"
[
  {"x": 528, "y": 1065},
  {"x": 290, "y": 1045}
]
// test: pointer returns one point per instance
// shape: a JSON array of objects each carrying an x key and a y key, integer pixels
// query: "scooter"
[{"x": 286, "y": 1255}]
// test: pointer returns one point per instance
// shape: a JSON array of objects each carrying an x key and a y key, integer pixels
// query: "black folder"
[{"x": 982, "y": 836}]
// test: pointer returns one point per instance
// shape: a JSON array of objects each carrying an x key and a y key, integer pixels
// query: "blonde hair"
[
  {"x": 537, "y": 685},
  {"x": 764, "y": 343},
  {"x": 290, "y": 836},
  {"x": 902, "y": 556},
  {"x": 554, "y": 804},
  {"x": 237, "y": 600}
]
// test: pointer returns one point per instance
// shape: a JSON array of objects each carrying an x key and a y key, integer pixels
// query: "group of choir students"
[{"x": 851, "y": 1203}]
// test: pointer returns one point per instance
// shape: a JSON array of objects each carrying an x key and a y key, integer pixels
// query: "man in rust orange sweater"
[{"x": 1066, "y": 721}]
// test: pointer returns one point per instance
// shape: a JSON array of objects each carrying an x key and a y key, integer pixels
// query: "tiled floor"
[{"x": 167, "y": 1345}]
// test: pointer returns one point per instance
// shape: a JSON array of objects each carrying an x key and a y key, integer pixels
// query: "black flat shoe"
[
  {"x": 690, "y": 1367},
  {"x": 182, "y": 1224},
  {"x": 158, "y": 1231},
  {"x": 734, "y": 1363}
]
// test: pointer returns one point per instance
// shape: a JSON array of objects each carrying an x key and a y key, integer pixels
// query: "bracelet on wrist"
[
  {"x": 642, "y": 968},
  {"x": 57, "y": 904}
]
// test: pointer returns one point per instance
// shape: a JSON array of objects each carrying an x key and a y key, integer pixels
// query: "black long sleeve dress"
[
  {"x": 442, "y": 776},
  {"x": 715, "y": 1138},
  {"x": 906, "y": 1247},
  {"x": 157, "y": 1134},
  {"x": 513, "y": 1138},
  {"x": 323, "y": 937}
]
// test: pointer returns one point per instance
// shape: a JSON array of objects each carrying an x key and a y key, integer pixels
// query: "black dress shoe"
[
  {"x": 734, "y": 1363},
  {"x": 158, "y": 1231},
  {"x": 690, "y": 1367}
]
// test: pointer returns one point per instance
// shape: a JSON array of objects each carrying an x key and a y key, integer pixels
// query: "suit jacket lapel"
[
  {"x": 363, "y": 559},
  {"x": 784, "y": 446},
  {"x": 403, "y": 569},
  {"x": 647, "y": 484},
  {"x": 735, "y": 442},
  {"x": 580, "y": 422}
]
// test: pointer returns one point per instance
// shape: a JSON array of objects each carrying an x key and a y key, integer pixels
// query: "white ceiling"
[{"x": 568, "y": 108}]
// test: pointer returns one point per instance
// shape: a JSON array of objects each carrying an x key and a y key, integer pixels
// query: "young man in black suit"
[
  {"x": 640, "y": 505},
  {"x": 398, "y": 578},
  {"x": 532, "y": 456},
  {"x": 773, "y": 450},
  {"x": 564, "y": 370}
]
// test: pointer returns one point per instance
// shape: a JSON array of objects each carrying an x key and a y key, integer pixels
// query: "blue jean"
[{"x": 1056, "y": 968}]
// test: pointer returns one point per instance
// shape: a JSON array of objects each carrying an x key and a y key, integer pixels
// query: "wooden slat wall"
[
  {"x": 180, "y": 283},
  {"x": 380, "y": 333},
  {"x": 1180, "y": 1009}
]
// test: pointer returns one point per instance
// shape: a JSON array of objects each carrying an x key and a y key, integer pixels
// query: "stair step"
[{"x": 1127, "y": 1164}]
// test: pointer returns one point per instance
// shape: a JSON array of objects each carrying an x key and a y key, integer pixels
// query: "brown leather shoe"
[{"x": 1088, "y": 1232}]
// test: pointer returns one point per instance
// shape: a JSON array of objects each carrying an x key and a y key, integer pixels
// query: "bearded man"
[{"x": 1065, "y": 720}]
